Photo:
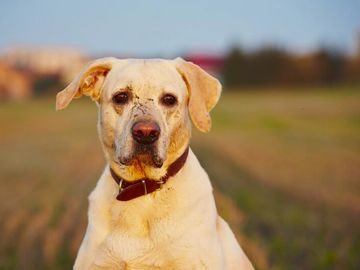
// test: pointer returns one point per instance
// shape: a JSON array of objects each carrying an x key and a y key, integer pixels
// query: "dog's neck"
[{"x": 131, "y": 190}]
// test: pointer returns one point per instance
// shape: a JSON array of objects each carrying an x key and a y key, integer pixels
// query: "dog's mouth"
[{"x": 142, "y": 155}]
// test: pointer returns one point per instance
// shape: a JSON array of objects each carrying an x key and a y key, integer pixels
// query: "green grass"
[{"x": 288, "y": 160}]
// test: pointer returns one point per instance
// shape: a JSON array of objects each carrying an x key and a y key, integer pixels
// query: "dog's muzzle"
[{"x": 145, "y": 134}]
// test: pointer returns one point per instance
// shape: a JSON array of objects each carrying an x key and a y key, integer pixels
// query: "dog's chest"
[
  {"x": 147, "y": 219},
  {"x": 152, "y": 233},
  {"x": 164, "y": 250}
]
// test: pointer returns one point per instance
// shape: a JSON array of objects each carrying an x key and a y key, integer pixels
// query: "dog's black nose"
[{"x": 145, "y": 132}]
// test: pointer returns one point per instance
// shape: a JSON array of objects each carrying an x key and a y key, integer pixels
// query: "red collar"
[{"x": 131, "y": 190}]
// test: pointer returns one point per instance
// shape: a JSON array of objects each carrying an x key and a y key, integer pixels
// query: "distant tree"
[
  {"x": 268, "y": 65},
  {"x": 234, "y": 70},
  {"x": 331, "y": 64},
  {"x": 275, "y": 66},
  {"x": 352, "y": 71},
  {"x": 47, "y": 85}
]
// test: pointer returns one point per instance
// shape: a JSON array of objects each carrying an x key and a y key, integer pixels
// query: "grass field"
[{"x": 285, "y": 164}]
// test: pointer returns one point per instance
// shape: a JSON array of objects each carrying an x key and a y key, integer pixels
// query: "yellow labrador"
[{"x": 153, "y": 206}]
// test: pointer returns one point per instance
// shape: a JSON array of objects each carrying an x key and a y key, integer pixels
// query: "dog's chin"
[{"x": 142, "y": 159}]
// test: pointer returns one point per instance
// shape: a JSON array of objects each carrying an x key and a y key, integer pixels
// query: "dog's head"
[{"x": 144, "y": 108}]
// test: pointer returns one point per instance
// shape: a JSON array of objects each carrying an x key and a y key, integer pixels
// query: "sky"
[{"x": 170, "y": 28}]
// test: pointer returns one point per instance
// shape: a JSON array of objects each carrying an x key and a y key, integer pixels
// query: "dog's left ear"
[
  {"x": 204, "y": 91},
  {"x": 88, "y": 82}
]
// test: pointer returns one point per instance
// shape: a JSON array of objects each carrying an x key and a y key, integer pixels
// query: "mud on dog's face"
[{"x": 144, "y": 110}]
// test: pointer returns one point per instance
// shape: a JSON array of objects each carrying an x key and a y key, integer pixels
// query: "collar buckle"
[
  {"x": 144, "y": 185},
  {"x": 120, "y": 184}
]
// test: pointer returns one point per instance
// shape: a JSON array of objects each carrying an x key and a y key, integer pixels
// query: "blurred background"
[{"x": 284, "y": 151}]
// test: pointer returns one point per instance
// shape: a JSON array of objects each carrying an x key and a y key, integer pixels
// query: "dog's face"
[
  {"x": 144, "y": 110},
  {"x": 143, "y": 119}
]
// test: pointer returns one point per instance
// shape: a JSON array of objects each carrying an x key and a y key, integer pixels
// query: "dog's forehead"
[{"x": 139, "y": 74}]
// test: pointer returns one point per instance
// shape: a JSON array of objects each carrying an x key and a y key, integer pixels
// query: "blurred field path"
[{"x": 286, "y": 164}]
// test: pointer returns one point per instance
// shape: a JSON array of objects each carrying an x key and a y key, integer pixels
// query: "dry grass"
[{"x": 288, "y": 161}]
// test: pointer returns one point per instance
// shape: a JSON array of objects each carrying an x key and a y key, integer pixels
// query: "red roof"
[{"x": 211, "y": 63}]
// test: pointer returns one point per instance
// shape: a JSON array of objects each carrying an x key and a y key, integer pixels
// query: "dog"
[{"x": 153, "y": 206}]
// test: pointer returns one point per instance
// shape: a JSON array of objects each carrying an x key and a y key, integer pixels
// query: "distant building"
[
  {"x": 14, "y": 84},
  {"x": 61, "y": 62},
  {"x": 25, "y": 70}
]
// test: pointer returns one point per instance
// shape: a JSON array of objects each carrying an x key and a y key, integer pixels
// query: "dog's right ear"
[{"x": 89, "y": 82}]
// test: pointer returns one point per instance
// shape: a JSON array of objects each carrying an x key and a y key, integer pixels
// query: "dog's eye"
[
  {"x": 168, "y": 100},
  {"x": 121, "y": 98}
]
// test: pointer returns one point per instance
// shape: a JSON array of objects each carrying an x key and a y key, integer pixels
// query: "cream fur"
[{"x": 176, "y": 227}]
